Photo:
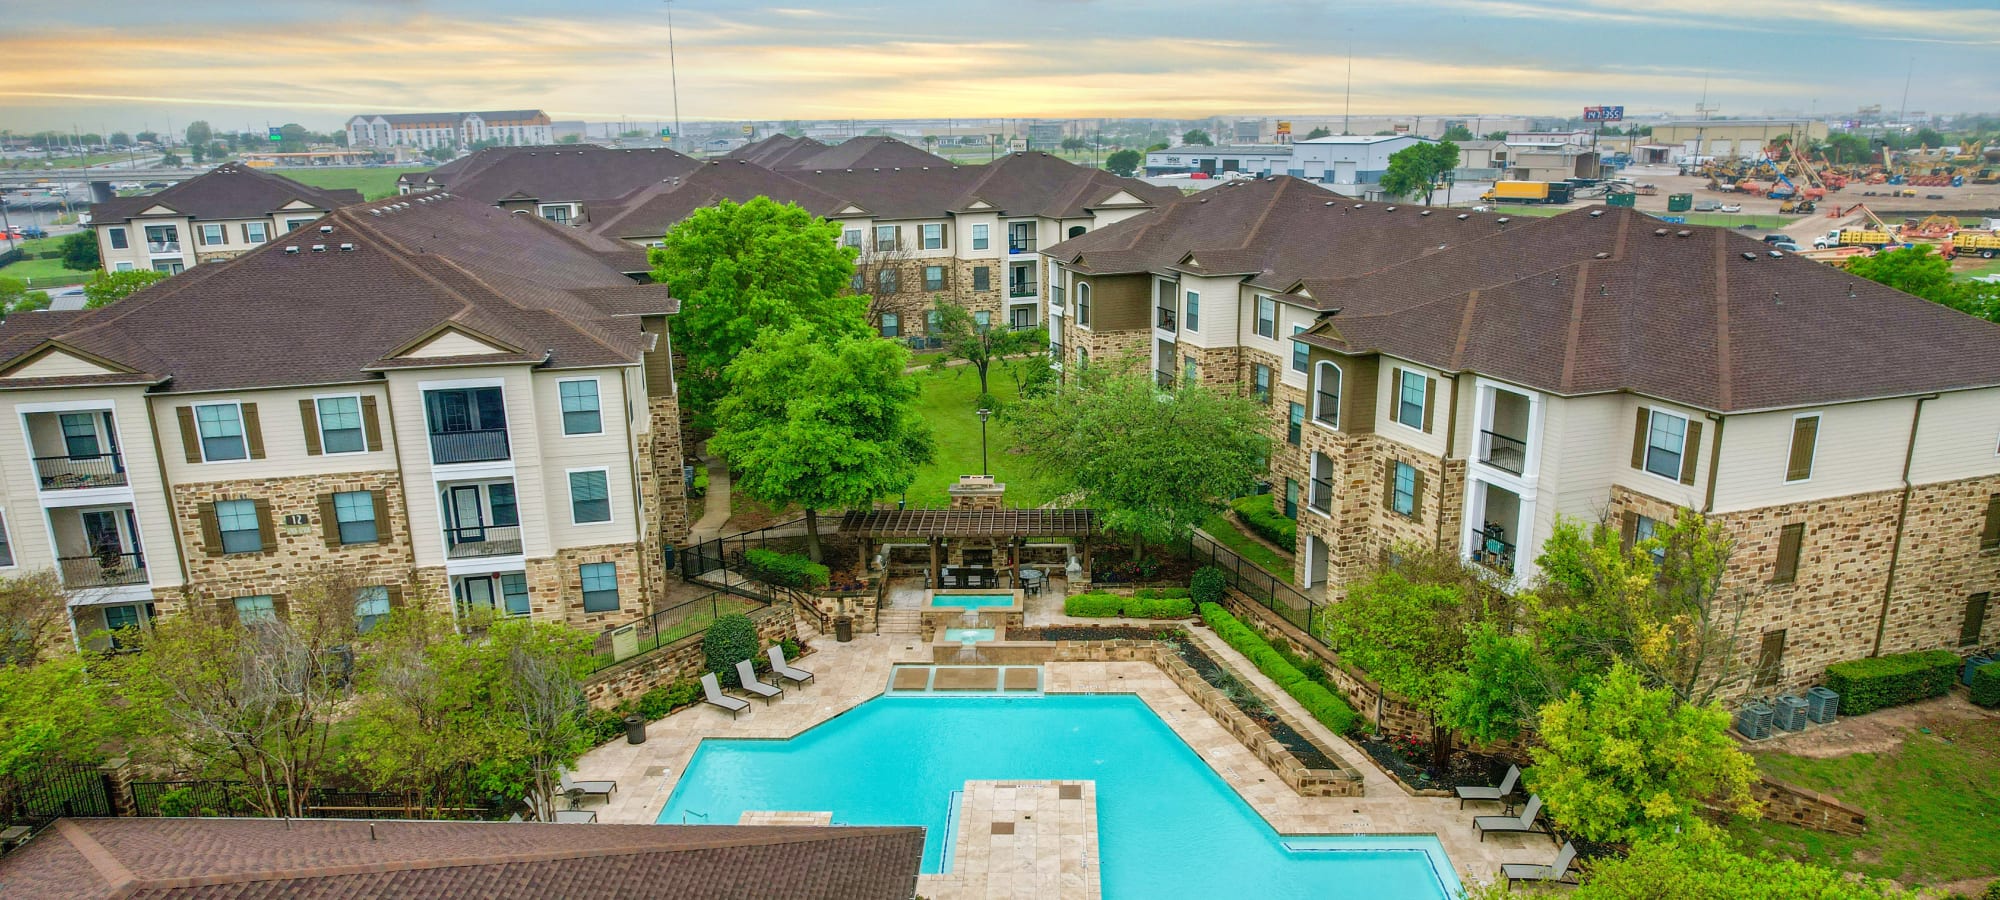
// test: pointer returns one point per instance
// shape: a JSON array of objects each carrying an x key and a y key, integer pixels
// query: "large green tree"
[
  {"x": 1626, "y": 762},
  {"x": 1152, "y": 461},
  {"x": 52, "y": 711},
  {"x": 1703, "y": 865},
  {"x": 107, "y": 288},
  {"x": 1457, "y": 133},
  {"x": 978, "y": 346},
  {"x": 741, "y": 270},
  {"x": 423, "y": 720},
  {"x": 79, "y": 251},
  {"x": 1920, "y": 271},
  {"x": 15, "y": 297},
  {"x": 821, "y": 420},
  {"x": 1417, "y": 170},
  {"x": 1123, "y": 162},
  {"x": 1197, "y": 137},
  {"x": 1319, "y": 132}
]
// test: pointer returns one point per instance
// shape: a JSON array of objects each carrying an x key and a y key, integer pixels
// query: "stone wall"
[
  {"x": 1941, "y": 565},
  {"x": 1361, "y": 529},
  {"x": 562, "y": 573},
  {"x": 1810, "y": 809},
  {"x": 1386, "y": 711},
  {"x": 1124, "y": 350},
  {"x": 677, "y": 661},
  {"x": 298, "y": 550}
]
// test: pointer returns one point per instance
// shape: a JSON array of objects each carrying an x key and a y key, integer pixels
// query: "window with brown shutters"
[
  {"x": 1771, "y": 658},
  {"x": 267, "y": 530},
  {"x": 1975, "y": 619},
  {"x": 1805, "y": 439},
  {"x": 371, "y": 423},
  {"x": 1791, "y": 539},
  {"x": 1989, "y": 539},
  {"x": 1628, "y": 529},
  {"x": 253, "y": 431},
  {"x": 309, "y": 420}
]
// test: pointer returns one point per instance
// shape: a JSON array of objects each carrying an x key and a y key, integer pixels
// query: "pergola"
[{"x": 933, "y": 526}]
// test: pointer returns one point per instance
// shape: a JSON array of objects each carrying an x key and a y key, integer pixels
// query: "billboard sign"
[
  {"x": 1604, "y": 114},
  {"x": 1284, "y": 128}
]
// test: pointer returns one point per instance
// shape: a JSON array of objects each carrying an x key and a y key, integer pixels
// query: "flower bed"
[{"x": 1407, "y": 757}]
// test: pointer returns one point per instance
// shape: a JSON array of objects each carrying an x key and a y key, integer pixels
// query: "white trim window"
[
  {"x": 256, "y": 608},
  {"x": 371, "y": 604},
  {"x": 1267, "y": 317},
  {"x": 1666, "y": 444},
  {"x": 600, "y": 586},
  {"x": 236, "y": 521},
  {"x": 850, "y": 237},
  {"x": 1191, "y": 317},
  {"x": 1301, "y": 354},
  {"x": 1326, "y": 395},
  {"x": 582, "y": 410},
  {"x": 980, "y": 240},
  {"x": 1410, "y": 397},
  {"x": 340, "y": 424},
  {"x": 589, "y": 496},
  {"x": 354, "y": 515},
  {"x": 6, "y": 545},
  {"x": 886, "y": 238},
  {"x": 933, "y": 236},
  {"x": 1403, "y": 497},
  {"x": 558, "y": 213},
  {"x": 221, "y": 428},
  {"x": 256, "y": 232},
  {"x": 214, "y": 234}
]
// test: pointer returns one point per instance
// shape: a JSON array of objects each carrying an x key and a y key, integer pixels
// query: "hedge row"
[
  {"x": 1256, "y": 513},
  {"x": 1986, "y": 688},
  {"x": 1142, "y": 605},
  {"x": 1879, "y": 682},
  {"x": 786, "y": 569},
  {"x": 1322, "y": 704}
]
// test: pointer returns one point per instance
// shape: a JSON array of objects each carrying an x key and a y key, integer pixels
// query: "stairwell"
[{"x": 900, "y": 621}]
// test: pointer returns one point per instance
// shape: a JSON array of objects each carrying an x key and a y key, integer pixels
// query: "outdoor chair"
[
  {"x": 747, "y": 674},
  {"x": 1557, "y": 872},
  {"x": 576, "y": 817},
  {"x": 587, "y": 788},
  {"x": 1523, "y": 824},
  {"x": 1505, "y": 790},
  {"x": 783, "y": 669},
  {"x": 712, "y": 694}
]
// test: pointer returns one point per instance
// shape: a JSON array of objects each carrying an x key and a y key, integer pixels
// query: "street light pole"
[{"x": 984, "y": 414}]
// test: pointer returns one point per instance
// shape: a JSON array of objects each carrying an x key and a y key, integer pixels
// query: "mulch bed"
[
  {"x": 1467, "y": 769},
  {"x": 1089, "y": 633}
]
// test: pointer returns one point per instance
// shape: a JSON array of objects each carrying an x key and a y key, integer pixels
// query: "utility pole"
[
  {"x": 673, "y": 75},
  {"x": 1347, "y": 114}
]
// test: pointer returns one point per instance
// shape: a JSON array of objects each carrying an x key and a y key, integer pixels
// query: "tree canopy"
[
  {"x": 980, "y": 345},
  {"x": 1123, "y": 162},
  {"x": 1458, "y": 133},
  {"x": 1318, "y": 132},
  {"x": 15, "y": 297},
  {"x": 822, "y": 421},
  {"x": 741, "y": 270},
  {"x": 110, "y": 287},
  {"x": 1417, "y": 169},
  {"x": 79, "y": 251},
  {"x": 1151, "y": 461},
  {"x": 1197, "y": 136},
  {"x": 1917, "y": 270}
]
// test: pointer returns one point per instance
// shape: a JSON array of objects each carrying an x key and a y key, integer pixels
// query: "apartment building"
[
  {"x": 511, "y": 127},
  {"x": 557, "y": 182},
  {"x": 226, "y": 212},
  {"x": 1349, "y": 164},
  {"x": 434, "y": 393},
  {"x": 1461, "y": 380}
]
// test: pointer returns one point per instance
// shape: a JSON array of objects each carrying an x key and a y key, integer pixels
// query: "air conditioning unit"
[
  {"x": 1753, "y": 721},
  {"x": 1789, "y": 713},
  {"x": 1822, "y": 705},
  {"x": 1972, "y": 664}
]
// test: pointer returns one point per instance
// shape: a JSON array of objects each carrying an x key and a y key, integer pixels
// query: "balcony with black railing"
[
  {"x": 1322, "y": 495},
  {"x": 1504, "y": 452},
  {"x": 96, "y": 470},
  {"x": 1020, "y": 289},
  {"x": 1163, "y": 318},
  {"x": 1491, "y": 550},
  {"x": 469, "y": 446},
  {"x": 479, "y": 541},
  {"x": 1020, "y": 243},
  {"x": 107, "y": 569},
  {"x": 163, "y": 247}
]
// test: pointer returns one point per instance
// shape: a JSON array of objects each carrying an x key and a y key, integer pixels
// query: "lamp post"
[{"x": 984, "y": 414}]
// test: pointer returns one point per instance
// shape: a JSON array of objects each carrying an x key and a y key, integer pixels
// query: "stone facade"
[
  {"x": 911, "y": 301},
  {"x": 1124, "y": 349},
  {"x": 562, "y": 572},
  {"x": 298, "y": 549},
  {"x": 1940, "y": 566},
  {"x": 1360, "y": 529},
  {"x": 677, "y": 661},
  {"x": 1794, "y": 805}
]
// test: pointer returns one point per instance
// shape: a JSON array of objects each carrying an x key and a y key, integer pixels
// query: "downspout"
[
  {"x": 1902, "y": 517},
  {"x": 166, "y": 491},
  {"x": 1714, "y": 461},
  {"x": 1450, "y": 445}
]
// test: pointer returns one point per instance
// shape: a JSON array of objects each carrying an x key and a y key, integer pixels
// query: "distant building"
[
  {"x": 224, "y": 213},
  {"x": 513, "y": 127},
  {"x": 1349, "y": 164},
  {"x": 1248, "y": 131},
  {"x": 1526, "y": 139},
  {"x": 1047, "y": 134},
  {"x": 1742, "y": 138}
]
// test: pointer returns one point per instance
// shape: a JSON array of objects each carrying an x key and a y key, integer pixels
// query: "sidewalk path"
[{"x": 716, "y": 513}]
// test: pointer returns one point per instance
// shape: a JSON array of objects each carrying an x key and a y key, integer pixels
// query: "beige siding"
[
  {"x": 1217, "y": 326},
  {"x": 58, "y": 364},
  {"x": 28, "y": 527},
  {"x": 450, "y": 343},
  {"x": 1617, "y": 448},
  {"x": 560, "y": 453},
  {"x": 421, "y": 478},
  {"x": 284, "y": 430},
  {"x": 1959, "y": 438},
  {"x": 1412, "y": 435},
  {"x": 1859, "y": 450}
]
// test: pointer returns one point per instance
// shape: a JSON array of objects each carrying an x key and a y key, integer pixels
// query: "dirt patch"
[{"x": 1881, "y": 731}]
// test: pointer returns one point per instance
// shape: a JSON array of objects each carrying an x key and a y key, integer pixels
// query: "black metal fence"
[
  {"x": 47, "y": 793},
  {"x": 676, "y": 622},
  {"x": 218, "y": 797},
  {"x": 700, "y": 559},
  {"x": 1273, "y": 592}
]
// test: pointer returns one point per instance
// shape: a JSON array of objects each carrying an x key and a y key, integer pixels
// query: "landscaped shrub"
[
  {"x": 1866, "y": 685},
  {"x": 1159, "y": 607},
  {"x": 1208, "y": 584},
  {"x": 1093, "y": 605},
  {"x": 658, "y": 702},
  {"x": 1154, "y": 593},
  {"x": 1986, "y": 687},
  {"x": 1256, "y": 513},
  {"x": 786, "y": 569},
  {"x": 731, "y": 638},
  {"x": 1322, "y": 704}
]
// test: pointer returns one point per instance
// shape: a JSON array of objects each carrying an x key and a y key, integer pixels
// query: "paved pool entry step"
[{"x": 917, "y": 679}]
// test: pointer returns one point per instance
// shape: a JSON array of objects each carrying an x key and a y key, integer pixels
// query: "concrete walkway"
[{"x": 716, "y": 514}]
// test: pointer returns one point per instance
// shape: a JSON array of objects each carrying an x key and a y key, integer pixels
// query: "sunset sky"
[{"x": 99, "y": 64}]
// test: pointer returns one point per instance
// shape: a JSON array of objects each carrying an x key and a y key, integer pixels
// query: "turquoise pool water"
[
  {"x": 971, "y": 601},
  {"x": 1168, "y": 826},
  {"x": 967, "y": 635}
]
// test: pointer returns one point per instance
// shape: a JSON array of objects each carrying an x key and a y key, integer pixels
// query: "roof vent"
[
  {"x": 1659, "y": 232},
  {"x": 1749, "y": 256},
  {"x": 1463, "y": 216},
  {"x": 1603, "y": 255},
  {"x": 375, "y": 212},
  {"x": 1777, "y": 253},
  {"x": 326, "y": 229},
  {"x": 1424, "y": 213},
  {"x": 1360, "y": 205},
  {"x": 1329, "y": 202},
  {"x": 319, "y": 248},
  {"x": 292, "y": 251},
  {"x": 347, "y": 248},
  {"x": 1389, "y": 209},
  {"x": 1683, "y": 233},
  {"x": 1503, "y": 220},
  {"x": 1596, "y": 212}
]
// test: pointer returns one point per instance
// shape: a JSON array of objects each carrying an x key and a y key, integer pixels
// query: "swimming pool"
[
  {"x": 972, "y": 601},
  {"x": 968, "y": 635},
  {"x": 1168, "y": 826}
]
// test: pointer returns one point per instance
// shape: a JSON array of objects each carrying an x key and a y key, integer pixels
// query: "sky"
[{"x": 126, "y": 64}]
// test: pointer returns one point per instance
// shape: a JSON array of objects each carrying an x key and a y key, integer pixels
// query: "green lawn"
[
  {"x": 1222, "y": 526},
  {"x": 43, "y": 273},
  {"x": 1990, "y": 267},
  {"x": 948, "y": 404},
  {"x": 1934, "y": 805},
  {"x": 374, "y": 182}
]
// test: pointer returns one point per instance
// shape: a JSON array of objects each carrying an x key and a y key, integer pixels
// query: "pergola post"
[
  {"x": 937, "y": 568},
  {"x": 1086, "y": 557}
]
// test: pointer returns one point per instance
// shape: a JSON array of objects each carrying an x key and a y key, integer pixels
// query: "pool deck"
[{"x": 850, "y": 674}]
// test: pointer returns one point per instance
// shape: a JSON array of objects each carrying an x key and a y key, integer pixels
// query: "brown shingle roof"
[
  {"x": 349, "y": 297},
  {"x": 774, "y": 151},
  {"x": 562, "y": 173},
  {"x": 229, "y": 191},
  {"x": 248, "y": 859}
]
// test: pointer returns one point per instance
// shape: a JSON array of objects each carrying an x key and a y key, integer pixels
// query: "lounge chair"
[
  {"x": 1557, "y": 872},
  {"x": 711, "y": 691},
  {"x": 576, "y": 817},
  {"x": 1523, "y": 824},
  {"x": 783, "y": 669},
  {"x": 1477, "y": 792},
  {"x": 747, "y": 674},
  {"x": 588, "y": 788}
]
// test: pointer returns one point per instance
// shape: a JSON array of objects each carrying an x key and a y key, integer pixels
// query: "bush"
[
  {"x": 1159, "y": 607},
  {"x": 1093, "y": 605},
  {"x": 1208, "y": 584},
  {"x": 1986, "y": 692},
  {"x": 786, "y": 569},
  {"x": 1255, "y": 512},
  {"x": 1156, "y": 593},
  {"x": 658, "y": 702},
  {"x": 1866, "y": 685},
  {"x": 1326, "y": 706},
  {"x": 730, "y": 639},
  {"x": 603, "y": 725},
  {"x": 1992, "y": 892}
]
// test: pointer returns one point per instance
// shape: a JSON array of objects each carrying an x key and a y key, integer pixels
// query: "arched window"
[
  {"x": 1083, "y": 303},
  {"x": 1075, "y": 230},
  {"x": 1326, "y": 395}
]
